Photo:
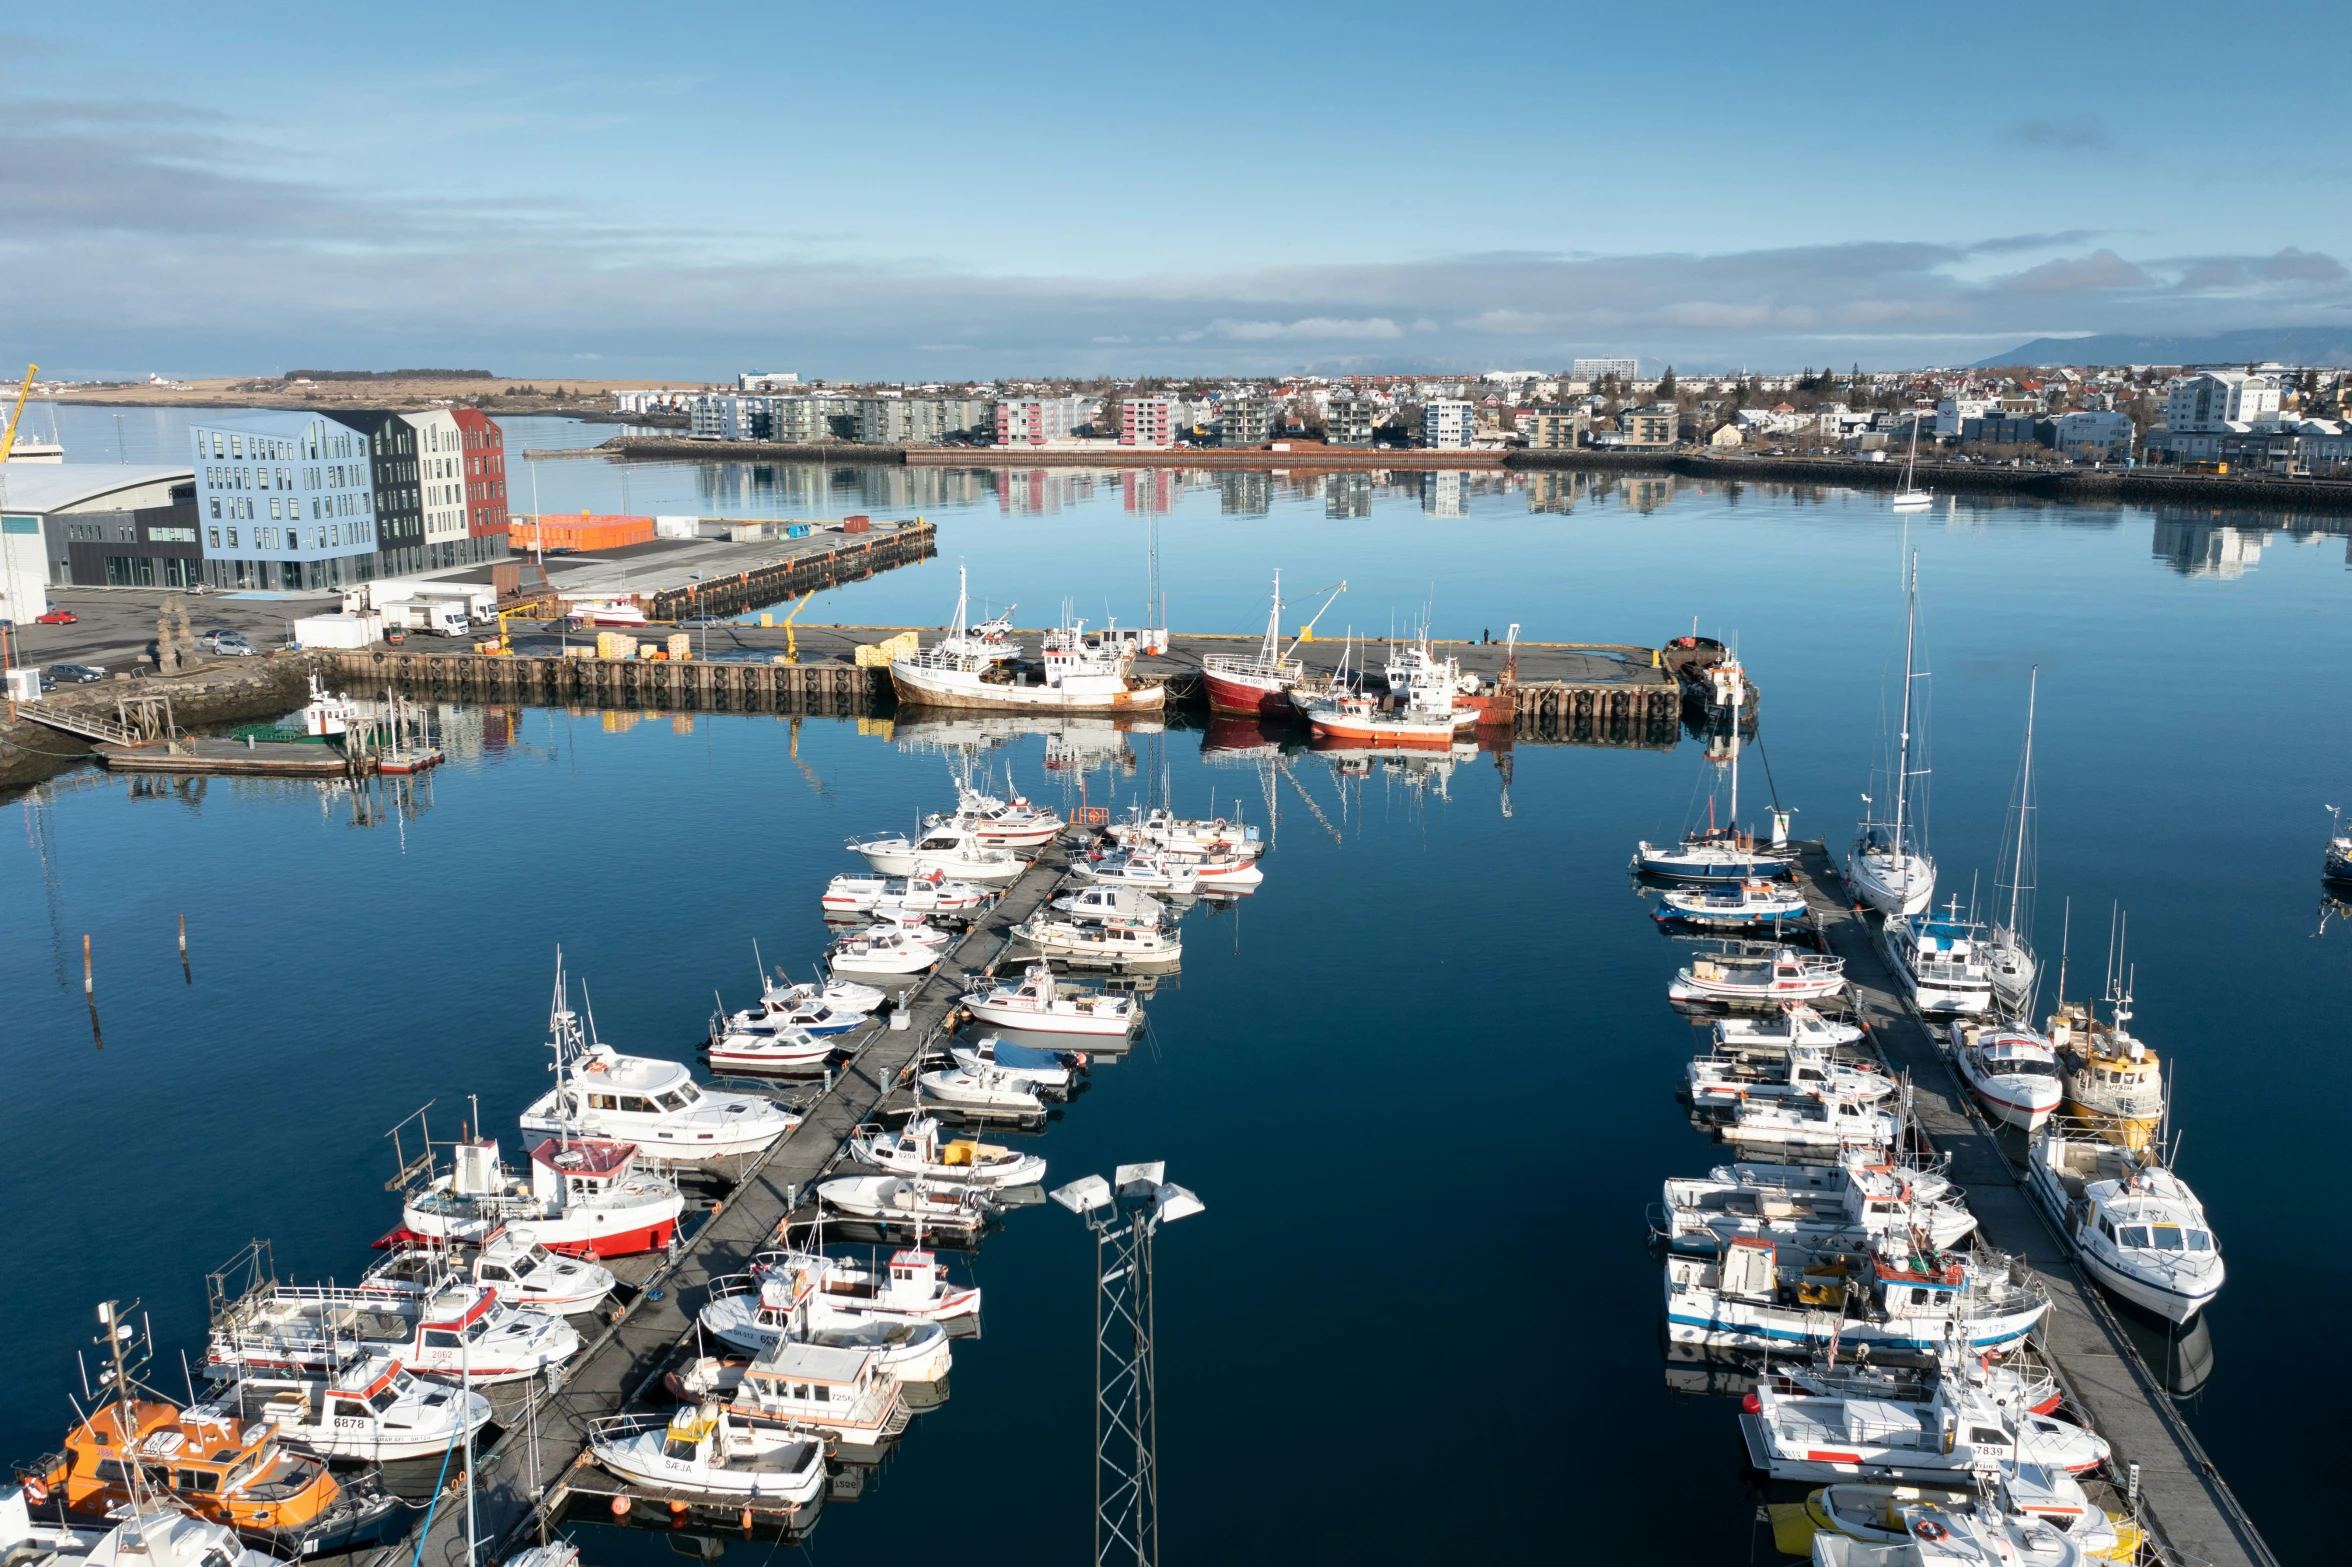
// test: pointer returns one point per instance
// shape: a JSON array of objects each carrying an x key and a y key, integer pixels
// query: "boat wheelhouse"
[
  {"x": 842, "y": 1392},
  {"x": 1940, "y": 961},
  {"x": 374, "y": 1410},
  {"x": 2136, "y": 1226}
]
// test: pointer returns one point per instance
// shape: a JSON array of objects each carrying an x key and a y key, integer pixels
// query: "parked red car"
[{"x": 57, "y": 617}]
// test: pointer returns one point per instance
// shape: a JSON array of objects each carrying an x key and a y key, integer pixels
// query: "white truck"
[
  {"x": 441, "y": 617},
  {"x": 448, "y": 609}
]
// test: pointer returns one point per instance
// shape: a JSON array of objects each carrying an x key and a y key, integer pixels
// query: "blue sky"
[{"x": 917, "y": 191}]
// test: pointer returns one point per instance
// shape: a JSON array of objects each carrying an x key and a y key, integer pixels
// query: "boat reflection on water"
[
  {"x": 2181, "y": 1357},
  {"x": 2332, "y": 907},
  {"x": 1229, "y": 739},
  {"x": 1073, "y": 742}
]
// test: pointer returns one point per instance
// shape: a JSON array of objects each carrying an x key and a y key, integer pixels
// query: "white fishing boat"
[
  {"x": 585, "y": 1196},
  {"x": 1102, "y": 901},
  {"x": 829, "y": 1006},
  {"x": 651, "y": 1103},
  {"x": 1758, "y": 979},
  {"x": 1017, "y": 823},
  {"x": 1215, "y": 871},
  {"x": 1114, "y": 944},
  {"x": 1138, "y": 868},
  {"x": 1722, "y": 853},
  {"x": 1725, "y": 1077},
  {"x": 1925, "y": 1184},
  {"x": 952, "y": 850},
  {"x": 2136, "y": 1226},
  {"x": 1935, "y": 1537},
  {"x": 768, "y": 1047},
  {"x": 1161, "y": 828},
  {"x": 1792, "y": 1024},
  {"x": 1874, "y": 1515},
  {"x": 931, "y": 893},
  {"x": 150, "y": 1532},
  {"x": 913, "y": 1288},
  {"x": 1806, "y": 1121},
  {"x": 1040, "y": 1003},
  {"x": 605, "y": 611},
  {"x": 844, "y": 1393},
  {"x": 2008, "y": 951},
  {"x": 510, "y": 1262},
  {"x": 708, "y": 1448},
  {"x": 1953, "y": 1437},
  {"x": 2112, "y": 1078},
  {"x": 1888, "y": 867},
  {"x": 1895, "y": 1299},
  {"x": 944, "y": 1207},
  {"x": 373, "y": 1410},
  {"x": 2012, "y": 1072},
  {"x": 1739, "y": 906},
  {"x": 1701, "y": 1215},
  {"x": 882, "y": 949},
  {"x": 1939, "y": 962},
  {"x": 1049, "y": 1073},
  {"x": 986, "y": 1090},
  {"x": 462, "y": 1330},
  {"x": 752, "y": 1312},
  {"x": 920, "y": 1149},
  {"x": 1074, "y": 675}
]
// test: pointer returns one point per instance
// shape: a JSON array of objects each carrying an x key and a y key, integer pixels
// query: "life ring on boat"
[
  {"x": 34, "y": 1491},
  {"x": 1928, "y": 1529},
  {"x": 593, "y": 1066}
]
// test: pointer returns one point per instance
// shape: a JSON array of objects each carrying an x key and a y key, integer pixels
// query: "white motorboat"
[
  {"x": 1139, "y": 868},
  {"x": 1939, "y": 962},
  {"x": 947, "y": 1207},
  {"x": 1114, "y": 902},
  {"x": 769, "y": 1047},
  {"x": 462, "y": 1330},
  {"x": 951, "y": 849},
  {"x": 2335, "y": 863},
  {"x": 1700, "y": 1215},
  {"x": 751, "y": 1312},
  {"x": 1735, "y": 906},
  {"x": 1917, "y": 1303},
  {"x": 1119, "y": 944},
  {"x": 150, "y": 1533},
  {"x": 1075, "y": 675},
  {"x": 842, "y": 1392},
  {"x": 1806, "y": 1121},
  {"x": 2012, "y": 1072},
  {"x": 913, "y": 1288},
  {"x": 1216, "y": 871},
  {"x": 1047, "y": 1072},
  {"x": 510, "y": 1261},
  {"x": 585, "y": 1196},
  {"x": 373, "y": 1410},
  {"x": 1925, "y": 1185},
  {"x": 1953, "y": 1437},
  {"x": 830, "y": 1006},
  {"x": 1759, "y": 978},
  {"x": 1937, "y": 1537},
  {"x": 1882, "y": 1516},
  {"x": 1161, "y": 828},
  {"x": 920, "y": 1149},
  {"x": 1793, "y": 1024},
  {"x": 1723, "y": 855},
  {"x": 1888, "y": 868},
  {"x": 883, "y": 949},
  {"x": 931, "y": 893},
  {"x": 985, "y": 1091},
  {"x": 1016, "y": 823},
  {"x": 1041, "y": 1003},
  {"x": 2136, "y": 1226},
  {"x": 2008, "y": 951},
  {"x": 606, "y": 611},
  {"x": 652, "y": 1103},
  {"x": 710, "y": 1449},
  {"x": 1724, "y": 1078}
]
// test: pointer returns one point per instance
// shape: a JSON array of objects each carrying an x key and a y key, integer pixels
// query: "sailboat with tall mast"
[
  {"x": 1721, "y": 852},
  {"x": 1888, "y": 867},
  {"x": 2009, "y": 954},
  {"x": 1910, "y": 497}
]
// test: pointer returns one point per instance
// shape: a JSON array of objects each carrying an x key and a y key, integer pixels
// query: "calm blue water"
[{"x": 1423, "y": 1079}]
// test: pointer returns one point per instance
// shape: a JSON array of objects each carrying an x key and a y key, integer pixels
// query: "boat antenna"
[
  {"x": 759, "y": 965},
  {"x": 2065, "y": 931}
]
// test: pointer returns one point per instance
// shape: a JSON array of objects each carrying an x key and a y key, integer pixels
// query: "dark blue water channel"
[{"x": 1423, "y": 1080}]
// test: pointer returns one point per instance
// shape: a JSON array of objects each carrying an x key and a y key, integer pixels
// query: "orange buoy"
[
  {"x": 620, "y": 1507},
  {"x": 747, "y": 1520},
  {"x": 677, "y": 1509}
]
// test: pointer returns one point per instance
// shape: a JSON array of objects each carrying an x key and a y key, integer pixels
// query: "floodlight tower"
[{"x": 1125, "y": 1213}]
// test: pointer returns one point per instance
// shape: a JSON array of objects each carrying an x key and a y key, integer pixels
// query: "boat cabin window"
[
  {"x": 2133, "y": 1236},
  {"x": 203, "y": 1481},
  {"x": 440, "y": 1338},
  {"x": 603, "y": 1102},
  {"x": 385, "y": 1398},
  {"x": 678, "y": 1448},
  {"x": 2200, "y": 1240},
  {"x": 635, "y": 1105},
  {"x": 672, "y": 1101},
  {"x": 1987, "y": 1436},
  {"x": 800, "y": 1390},
  {"x": 1922, "y": 1297},
  {"x": 491, "y": 1271},
  {"x": 218, "y": 1556},
  {"x": 821, "y": 1393},
  {"x": 2167, "y": 1237},
  {"x": 525, "y": 1266}
]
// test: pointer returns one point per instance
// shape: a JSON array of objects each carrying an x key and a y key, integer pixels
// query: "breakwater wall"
[{"x": 857, "y": 557}]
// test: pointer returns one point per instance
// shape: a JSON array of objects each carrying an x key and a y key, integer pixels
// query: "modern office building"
[
  {"x": 392, "y": 473},
  {"x": 440, "y": 445},
  {"x": 286, "y": 501},
  {"x": 487, "y": 506},
  {"x": 1448, "y": 424},
  {"x": 75, "y": 523}
]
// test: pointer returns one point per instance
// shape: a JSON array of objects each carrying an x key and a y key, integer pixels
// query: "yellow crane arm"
[
  {"x": 16, "y": 415},
  {"x": 792, "y": 637}
]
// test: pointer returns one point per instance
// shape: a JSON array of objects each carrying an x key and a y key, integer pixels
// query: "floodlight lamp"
[
  {"x": 1139, "y": 1180},
  {"x": 1175, "y": 1202},
  {"x": 1083, "y": 1195}
]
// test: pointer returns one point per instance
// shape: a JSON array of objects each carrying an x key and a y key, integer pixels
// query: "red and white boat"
[
  {"x": 585, "y": 1197},
  {"x": 1419, "y": 713},
  {"x": 1017, "y": 823},
  {"x": 459, "y": 1330},
  {"x": 607, "y": 612},
  {"x": 1259, "y": 684}
]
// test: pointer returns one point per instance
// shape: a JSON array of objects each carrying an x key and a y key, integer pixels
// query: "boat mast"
[
  {"x": 1273, "y": 622},
  {"x": 2024, "y": 799},
  {"x": 1739, "y": 682},
  {"x": 1903, "y": 735}
]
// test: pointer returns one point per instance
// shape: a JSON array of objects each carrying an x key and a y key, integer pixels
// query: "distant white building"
[
  {"x": 2211, "y": 399},
  {"x": 1449, "y": 424},
  {"x": 1147, "y": 421},
  {"x": 767, "y": 380},
  {"x": 441, "y": 491},
  {"x": 1033, "y": 421},
  {"x": 1591, "y": 370},
  {"x": 2102, "y": 435},
  {"x": 1953, "y": 412}
]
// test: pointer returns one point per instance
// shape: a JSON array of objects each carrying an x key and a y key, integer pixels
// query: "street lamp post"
[{"x": 1125, "y": 1215}]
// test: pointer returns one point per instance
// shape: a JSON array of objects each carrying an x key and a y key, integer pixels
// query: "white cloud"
[{"x": 1311, "y": 329}]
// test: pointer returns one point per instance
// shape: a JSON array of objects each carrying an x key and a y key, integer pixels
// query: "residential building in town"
[
  {"x": 1147, "y": 421},
  {"x": 803, "y": 421},
  {"x": 766, "y": 380},
  {"x": 286, "y": 501},
  {"x": 1954, "y": 412},
  {"x": 1998, "y": 430},
  {"x": 1655, "y": 425},
  {"x": 1245, "y": 421},
  {"x": 1449, "y": 424},
  {"x": 1350, "y": 421},
  {"x": 2211, "y": 400},
  {"x": 84, "y": 524},
  {"x": 399, "y": 492},
  {"x": 1591, "y": 370},
  {"x": 1033, "y": 421},
  {"x": 2092, "y": 435},
  {"x": 1555, "y": 428},
  {"x": 440, "y": 446},
  {"x": 654, "y": 399},
  {"x": 487, "y": 505}
]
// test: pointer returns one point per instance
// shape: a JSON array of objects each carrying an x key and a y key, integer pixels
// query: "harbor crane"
[{"x": 16, "y": 414}]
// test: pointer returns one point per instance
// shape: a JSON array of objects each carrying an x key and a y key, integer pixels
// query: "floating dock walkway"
[
  {"x": 2182, "y": 1496},
  {"x": 519, "y": 1479}
]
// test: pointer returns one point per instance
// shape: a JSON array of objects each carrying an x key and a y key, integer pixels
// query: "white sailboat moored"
[
  {"x": 2008, "y": 952},
  {"x": 1888, "y": 868}
]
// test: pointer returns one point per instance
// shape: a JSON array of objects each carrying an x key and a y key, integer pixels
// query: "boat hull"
[
  {"x": 1702, "y": 866},
  {"x": 1241, "y": 695},
  {"x": 1894, "y": 888},
  {"x": 1072, "y": 1022},
  {"x": 1082, "y": 694},
  {"x": 1386, "y": 735},
  {"x": 571, "y": 1237}
]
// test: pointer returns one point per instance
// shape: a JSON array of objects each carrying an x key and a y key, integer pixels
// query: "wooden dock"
[
  {"x": 262, "y": 759},
  {"x": 2183, "y": 1498},
  {"x": 518, "y": 1480}
]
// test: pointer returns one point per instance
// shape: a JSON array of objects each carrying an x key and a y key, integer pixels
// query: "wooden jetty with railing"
[{"x": 2180, "y": 1494}]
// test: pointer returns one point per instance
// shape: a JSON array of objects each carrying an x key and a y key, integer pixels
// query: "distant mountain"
[{"x": 2294, "y": 345}]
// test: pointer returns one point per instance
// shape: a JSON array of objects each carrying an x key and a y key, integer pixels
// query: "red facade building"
[{"x": 487, "y": 507}]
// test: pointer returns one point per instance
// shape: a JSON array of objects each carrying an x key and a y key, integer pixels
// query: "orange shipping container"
[{"x": 583, "y": 532}]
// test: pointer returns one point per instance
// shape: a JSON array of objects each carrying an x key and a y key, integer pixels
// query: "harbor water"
[{"x": 1423, "y": 1080}]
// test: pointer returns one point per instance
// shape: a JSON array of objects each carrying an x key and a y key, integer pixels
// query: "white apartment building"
[
  {"x": 1148, "y": 421},
  {"x": 2102, "y": 435},
  {"x": 1033, "y": 421},
  {"x": 2211, "y": 399},
  {"x": 1591, "y": 370},
  {"x": 766, "y": 380},
  {"x": 441, "y": 491},
  {"x": 1350, "y": 421},
  {"x": 1448, "y": 424}
]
